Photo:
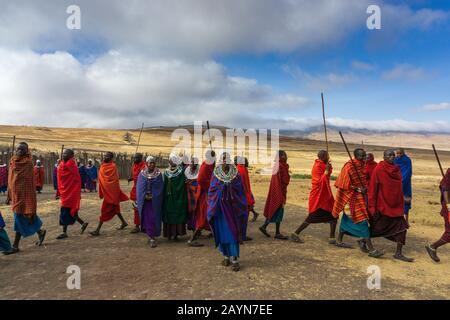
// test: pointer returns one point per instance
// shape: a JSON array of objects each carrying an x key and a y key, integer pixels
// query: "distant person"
[
  {"x": 369, "y": 166},
  {"x": 386, "y": 204},
  {"x": 227, "y": 205},
  {"x": 69, "y": 189},
  {"x": 83, "y": 175},
  {"x": 150, "y": 195},
  {"x": 405, "y": 164},
  {"x": 109, "y": 190},
  {"x": 321, "y": 198},
  {"x": 22, "y": 197},
  {"x": 3, "y": 177},
  {"x": 91, "y": 176},
  {"x": 276, "y": 197},
  {"x": 201, "y": 211},
  {"x": 39, "y": 176},
  {"x": 175, "y": 200},
  {"x": 444, "y": 187},
  {"x": 351, "y": 187},
  {"x": 55, "y": 178},
  {"x": 138, "y": 166},
  {"x": 5, "y": 244}
]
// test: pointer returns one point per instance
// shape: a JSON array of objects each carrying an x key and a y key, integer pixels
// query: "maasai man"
[
  {"x": 150, "y": 195},
  {"x": 386, "y": 204},
  {"x": 369, "y": 166},
  {"x": 405, "y": 164},
  {"x": 352, "y": 189},
  {"x": 276, "y": 198},
  {"x": 227, "y": 205},
  {"x": 138, "y": 166},
  {"x": 191, "y": 175},
  {"x": 3, "y": 177},
  {"x": 69, "y": 189},
  {"x": 39, "y": 176},
  {"x": 22, "y": 197},
  {"x": 321, "y": 198},
  {"x": 444, "y": 186},
  {"x": 240, "y": 162},
  {"x": 55, "y": 178},
  {"x": 175, "y": 200},
  {"x": 5, "y": 244},
  {"x": 109, "y": 190},
  {"x": 83, "y": 175},
  {"x": 201, "y": 210},
  {"x": 91, "y": 176}
]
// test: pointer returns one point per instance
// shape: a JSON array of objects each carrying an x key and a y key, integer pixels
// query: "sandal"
[
  {"x": 122, "y": 226},
  {"x": 194, "y": 244},
  {"x": 13, "y": 250},
  {"x": 376, "y": 254},
  {"x": 83, "y": 227},
  {"x": 255, "y": 216},
  {"x": 153, "y": 244},
  {"x": 363, "y": 246},
  {"x": 296, "y": 238},
  {"x": 62, "y": 236},
  {"x": 94, "y": 233},
  {"x": 403, "y": 258},
  {"x": 236, "y": 267},
  {"x": 226, "y": 262},
  {"x": 281, "y": 237},
  {"x": 432, "y": 253},
  {"x": 136, "y": 229},
  {"x": 343, "y": 245}
]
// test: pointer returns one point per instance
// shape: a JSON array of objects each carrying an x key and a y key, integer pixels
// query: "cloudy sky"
[{"x": 252, "y": 63}]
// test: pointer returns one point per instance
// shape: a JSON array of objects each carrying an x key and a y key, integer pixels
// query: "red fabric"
[
  {"x": 39, "y": 176},
  {"x": 445, "y": 186},
  {"x": 204, "y": 180},
  {"x": 109, "y": 184},
  {"x": 21, "y": 187},
  {"x": 369, "y": 167},
  {"x": 137, "y": 168},
  {"x": 386, "y": 191},
  {"x": 69, "y": 186},
  {"x": 276, "y": 196},
  {"x": 137, "y": 220},
  {"x": 108, "y": 211},
  {"x": 243, "y": 171},
  {"x": 320, "y": 196},
  {"x": 3, "y": 175}
]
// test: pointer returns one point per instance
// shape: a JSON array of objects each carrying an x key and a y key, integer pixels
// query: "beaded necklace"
[{"x": 226, "y": 177}]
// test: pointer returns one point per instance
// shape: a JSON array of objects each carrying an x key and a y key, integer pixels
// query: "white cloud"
[
  {"x": 436, "y": 106},
  {"x": 120, "y": 89},
  {"x": 405, "y": 71},
  {"x": 362, "y": 66}
]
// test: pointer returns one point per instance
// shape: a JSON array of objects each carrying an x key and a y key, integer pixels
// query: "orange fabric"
[
  {"x": 39, "y": 176},
  {"x": 21, "y": 185},
  {"x": 320, "y": 196},
  {"x": 347, "y": 183},
  {"x": 137, "y": 168},
  {"x": 276, "y": 196},
  {"x": 243, "y": 171},
  {"x": 69, "y": 186},
  {"x": 109, "y": 184}
]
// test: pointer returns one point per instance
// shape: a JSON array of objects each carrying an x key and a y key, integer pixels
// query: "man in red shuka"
[{"x": 138, "y": 166}]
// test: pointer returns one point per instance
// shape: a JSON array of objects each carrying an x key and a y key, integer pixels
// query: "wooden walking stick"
[
  {"x": 354, "y": 167},
  {"x": 209, "y": 134},
  {"x": 13, "y": 145},
  {"x": 324, "y": 121},
  {"x": 438, "y": 161},
  {"x": 62, "y": 150}
]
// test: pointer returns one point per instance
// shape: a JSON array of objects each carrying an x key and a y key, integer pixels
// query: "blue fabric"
[
  {"x": 3, "y": 189},
  {"x": 2, "y": 222},
  {"x": 92, "y": 172},
  {"x": 229, "y": 250},
  {"x": 83, "y": 174},
  {"x": 277, "y": 216},
  {"x": 156, "y": 187},
  {"x": 405, "y": 164},
  {"x": 55, "y": 177},
  {"x": 5, "y": 244},
  {"x": 65, "y": 218},
  {"x": 360, "y": 230},
  {"x": 24, "y": 227}
]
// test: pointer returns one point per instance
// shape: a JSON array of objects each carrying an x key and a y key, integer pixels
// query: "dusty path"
[{"x": 119, "y": 265}]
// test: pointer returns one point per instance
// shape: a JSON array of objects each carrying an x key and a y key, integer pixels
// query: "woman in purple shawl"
[
  {"x": 149, "y": 193},
  {"x": 227, "y": 204}
]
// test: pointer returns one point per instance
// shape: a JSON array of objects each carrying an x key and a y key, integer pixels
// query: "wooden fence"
[{"x": 123, "y": 161}]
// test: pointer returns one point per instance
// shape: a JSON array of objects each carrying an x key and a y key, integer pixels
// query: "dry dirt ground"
[{"x": 120, "y": 265}]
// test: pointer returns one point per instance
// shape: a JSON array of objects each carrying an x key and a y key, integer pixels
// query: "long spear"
[
  {"x": 62, "y": 150},
  {"x": 209, "y": 134},
  {"x": 139, "y": 139},
  {"x": 353, "y": 163},
  {"x": 13, "y": 145},
  {"x": 324, "y": 121},
  {"x": 438, "y": 161}
]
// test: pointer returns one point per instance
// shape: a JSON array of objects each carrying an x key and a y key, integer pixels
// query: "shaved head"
[
  {"x": 360, "y": 154},
  {"x": 389, "y": 155}
]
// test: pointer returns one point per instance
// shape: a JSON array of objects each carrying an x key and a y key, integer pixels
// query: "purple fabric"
[
  {"x": 156, "y": 187},
  {"x": 150, "y": 220},
  {"x": 228, "y": 201}
]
